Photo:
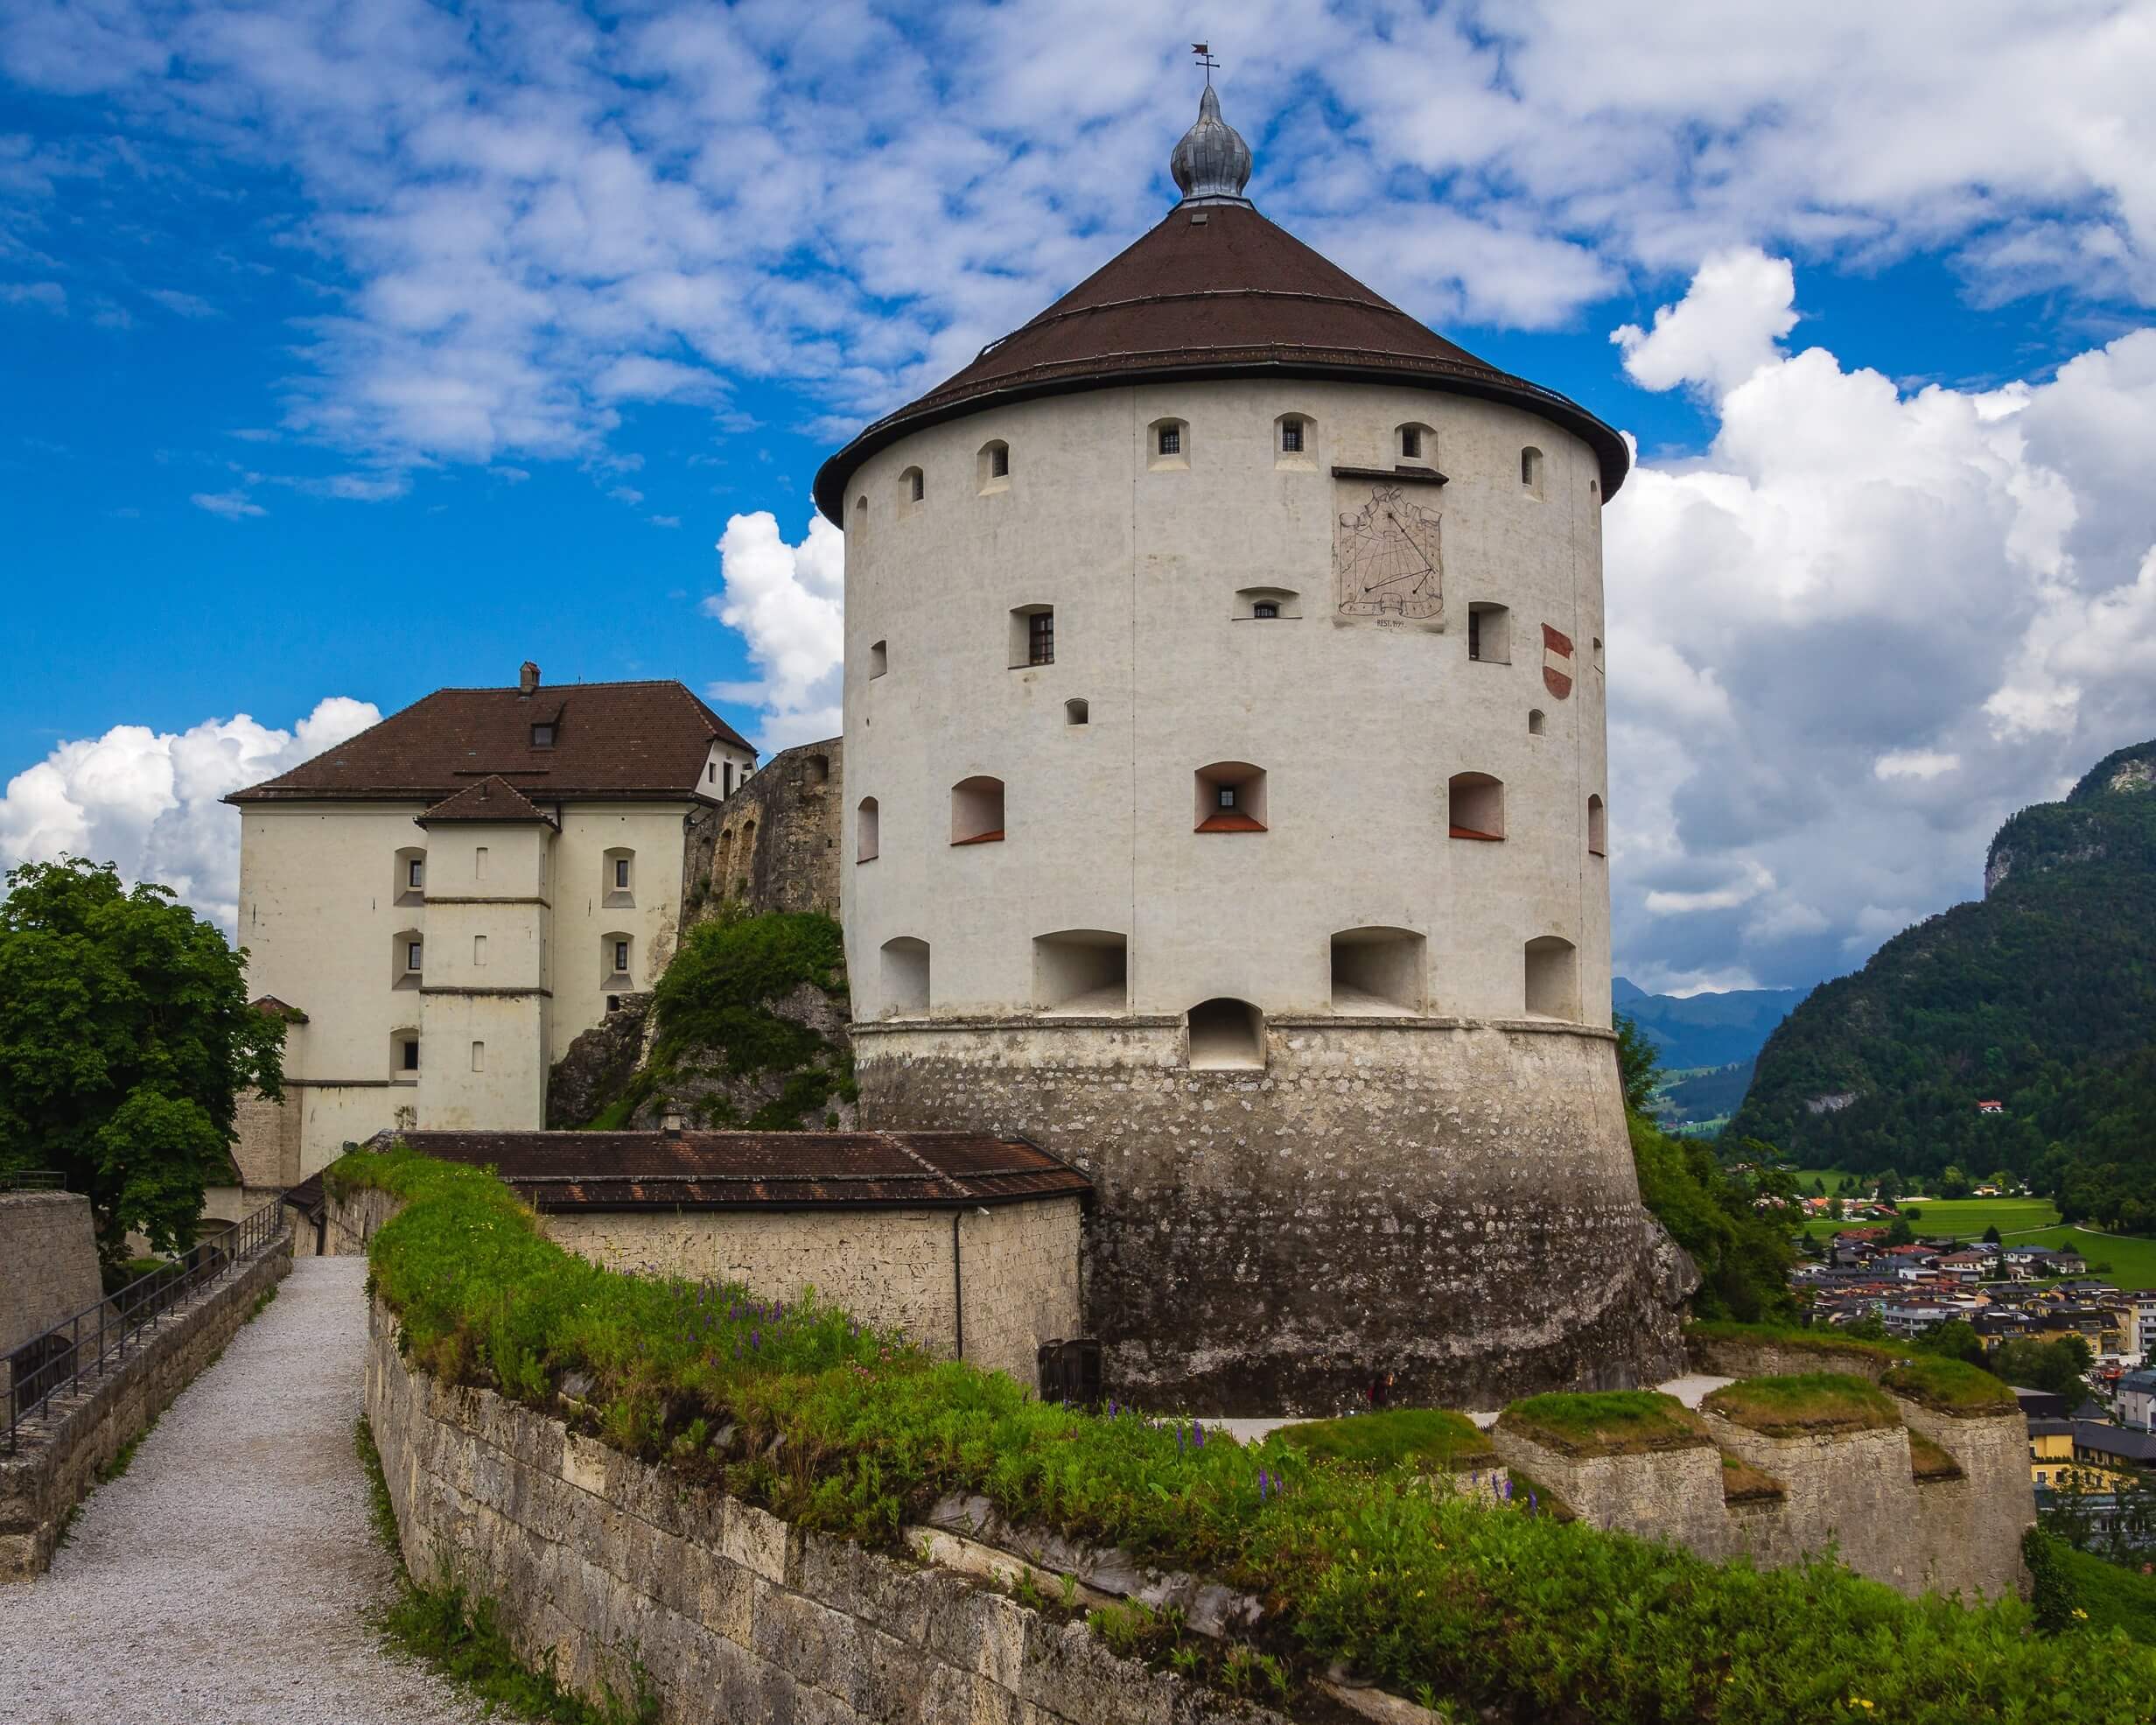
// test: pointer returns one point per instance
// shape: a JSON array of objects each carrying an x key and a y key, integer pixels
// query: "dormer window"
[{"x": 542, "y": 736}]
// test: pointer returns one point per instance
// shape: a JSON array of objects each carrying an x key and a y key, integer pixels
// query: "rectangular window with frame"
[
  {"x": 414, "y": 873},
  {"x": 1040, "y": 638},
  {"x": 409, "y": 1051},
  {"x": 542, "y": 736},
  {"x": 621, "y": 957},
  {"x": 412, "y": 954},
  {"x": 1411, "y": 443},
  {"x": 1171, "y": 439},
  {"x": 622, "y": 874},
  {"x": 1291, "y": 437}
]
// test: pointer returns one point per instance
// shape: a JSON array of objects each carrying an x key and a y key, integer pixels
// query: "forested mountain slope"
[
  {"x": 2040, "y": 996},
  {"x": 1696, "y": 1030}
]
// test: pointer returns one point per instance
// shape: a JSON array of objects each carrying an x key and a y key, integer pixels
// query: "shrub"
[
  {"x": 1473, "y": 1601},
  {"x": 1798, "y": 1406}
]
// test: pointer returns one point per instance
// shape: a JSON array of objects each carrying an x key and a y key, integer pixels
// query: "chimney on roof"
[
  {"x": 527, "y": 678},
  {"x": 670, "y": 1122}
]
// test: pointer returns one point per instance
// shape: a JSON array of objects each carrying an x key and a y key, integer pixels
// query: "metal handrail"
[
  {"x": 51, "y": 1365},
  {"x": 34, "y": 1179}
]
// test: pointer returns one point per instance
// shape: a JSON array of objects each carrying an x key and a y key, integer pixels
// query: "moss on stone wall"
[{"x": 747, "y": 1030}]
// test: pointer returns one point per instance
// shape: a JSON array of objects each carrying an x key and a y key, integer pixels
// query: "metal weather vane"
[{"x": 1204, "y": 52}]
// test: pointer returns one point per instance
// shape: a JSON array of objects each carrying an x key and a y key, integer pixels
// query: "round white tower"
[{"x": 1226, "y": 787}]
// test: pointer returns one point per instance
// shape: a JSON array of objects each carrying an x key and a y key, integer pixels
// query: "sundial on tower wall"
[{"x": 1388, "y": 559}]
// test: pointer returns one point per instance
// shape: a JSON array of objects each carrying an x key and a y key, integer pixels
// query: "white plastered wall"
[{"x": 1357, "y": 727}]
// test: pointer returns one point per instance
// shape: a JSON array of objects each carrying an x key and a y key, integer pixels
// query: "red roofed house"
[{"x": 440, "y": 905}]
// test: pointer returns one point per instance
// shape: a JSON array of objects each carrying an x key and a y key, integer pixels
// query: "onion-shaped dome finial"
[{"x": 1212, "y": 163}]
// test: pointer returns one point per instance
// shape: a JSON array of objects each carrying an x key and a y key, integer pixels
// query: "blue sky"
[{"x": 352, "y": 351}]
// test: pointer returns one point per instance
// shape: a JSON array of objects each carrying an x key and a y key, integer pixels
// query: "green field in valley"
[{"x": 2020, "y": 1221}]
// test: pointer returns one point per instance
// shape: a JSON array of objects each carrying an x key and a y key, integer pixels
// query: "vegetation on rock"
[
  {"x": 1609, "y": 1422},
  {"x": 126, "y": 1040},
  {"x": 1435, "y": 1440},
  {"x": 1431, "y": 1594},
  {"x": 1951, "y": 1386},
  {"x": 1805, "y": 1405}
]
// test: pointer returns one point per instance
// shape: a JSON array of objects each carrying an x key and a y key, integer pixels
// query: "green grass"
[
  {"x": 2115, "y": 1597},
  {"x": 1961, "y": 1218},
  {"x": 1834, "y": 1179},
  {"x": 1614, "y": 1422},
  {"x": 2132, "y": 1257},
  {"x": 1480, "y": 1604},
  {"x": 1702, "y": 1336},
  {"x": 1928, "y": 1461},
  {"x": 1798, "y": 1406},
  {"x": 1430, "y": 1440},
  {"x": 1950, "y": 1386},
  {"x": 456, "y": 1635}
]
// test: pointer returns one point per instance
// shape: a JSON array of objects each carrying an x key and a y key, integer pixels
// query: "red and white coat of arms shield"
[{"x": 1557, "y": 662}]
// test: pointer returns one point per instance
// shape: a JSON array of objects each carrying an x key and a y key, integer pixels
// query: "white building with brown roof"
[{"x": 441, "y": 904}]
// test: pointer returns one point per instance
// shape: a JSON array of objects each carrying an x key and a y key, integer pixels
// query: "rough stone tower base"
[{"x": 1448, "y": 1201}]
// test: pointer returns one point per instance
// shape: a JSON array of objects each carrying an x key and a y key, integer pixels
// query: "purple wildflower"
[
  {"x": 756, "y": 1338},
  {"x": 1197, "y": 1435},
  {"x": 1507, "y": 1490},
  {"x": 1533, "y": 1503}
]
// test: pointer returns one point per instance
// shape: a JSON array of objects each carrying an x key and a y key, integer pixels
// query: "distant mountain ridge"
[
  {"x": 1705, "y": 1029},
  {"x": 2040, "y": 996}
]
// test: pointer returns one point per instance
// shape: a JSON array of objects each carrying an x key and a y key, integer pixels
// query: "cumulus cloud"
[
  {"x": 231, "y": 505},
  {"x": 1859, "y": 631},
  {"x": 788, "y": 601},
  {"x": 148, "y": 801}
]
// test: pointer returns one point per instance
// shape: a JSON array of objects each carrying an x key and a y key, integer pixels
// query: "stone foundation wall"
[
  {"x": 48, "y": 1265},
  {"x": 267, "y": 1149},
  {"x": 1448, "y": 1201},
  {"x": 1852, "y": 1491},
  {"x": 594, "y": 1561},
  {"x": 1745, "y": 1356},
  {"x": 62, "y": 1453}
]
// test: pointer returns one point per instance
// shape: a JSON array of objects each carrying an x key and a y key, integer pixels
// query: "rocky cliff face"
[{"x": 772, "y": 846}]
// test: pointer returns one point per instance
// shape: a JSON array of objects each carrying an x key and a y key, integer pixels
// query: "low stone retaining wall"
[
  {"x": 1856, "y": 1492},
  {"x": 62, "y": 1452},
  {"x": 604, "y": 1567}
]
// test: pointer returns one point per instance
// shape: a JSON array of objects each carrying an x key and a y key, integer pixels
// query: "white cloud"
[
  {"x": 147, "y": 801},
  {"x": 1859, "y": 631},
  {"x": 1729, "y": 324},
  {"x": 788, "y": 603},
  {"x": 45, "y": 296},
  {"x": 184, "y": 304},
  {"x": 231, "y": 505}
]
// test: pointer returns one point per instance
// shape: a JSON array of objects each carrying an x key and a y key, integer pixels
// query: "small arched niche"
[
  {"x": 1081, "y": 970},
  {"x": 407, "y": 959},
  {"x": 617, "y": 960},
  {"x": 617, "y": 876},
  {"x": 913, "y": 491},
  {"x": 1530, "y": 470},
  {"x": 1598, "y": 827},
  {"x": 1475, "y": 806},
  {"x": 1537, "y": 722},
  {"x": 1264, "y": 604},
  {"x": 867, "y": 830},
  {"x": 819, "y": 769},
  {"x": 859, "y": 518},
  {"x": 976, "y": 811},
  {"x": 1552, "y": 979},
  {"x": 1226, "y": 1035},
  {"x": 904, "y": 976},
  {"x": 1077, "y": 712},
  {"x": 993, "y": 466},
  {"x": 1379, "y": 971},
  {"x": 1415, "y": 444},
  {"x": 1295, "y": 442},
  {"x": 879, "y": 657},
  {"x": 410, "y": 879},
  {"x": 1167, "y": 446},
  {"x": 1230, "y": 797},
  {"x": 1489, "y": 633}
]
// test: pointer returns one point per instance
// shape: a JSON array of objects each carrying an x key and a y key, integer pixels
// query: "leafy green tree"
[
  {"x": 1887, "y": 1188},
  {"x": 1991, "y": 1234},
  {"x": 1953, "y": 1183},
  {"x": 1955, "y": 1340},
  {"x": 2056, "y": 1365},
  {"x": 1899, "y": 1233},
  {"x": 1869, "y": 1328},
  {"x": 125, "y": 1040},
  {"x": 1639, "y": 1064},
  {"x": 1744, "y": 1257},
  {"x": 1837, "y": 1209}
]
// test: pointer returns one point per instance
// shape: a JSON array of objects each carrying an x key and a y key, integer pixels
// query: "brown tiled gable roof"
[
  {"x": 783, "y": 1170},
  {"x": 1234, "y": 295},
  {"x": 610, "y": 740},
  {"x": 493, "y": 799}
]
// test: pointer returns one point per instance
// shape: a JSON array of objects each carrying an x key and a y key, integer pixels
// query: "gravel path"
[{"x": 230, "y": 1575}]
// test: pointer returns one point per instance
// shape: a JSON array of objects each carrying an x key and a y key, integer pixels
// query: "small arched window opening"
[
  {"x": 879, "y": 657},
  {"x": 867, "y": 830},
  {"x": 404, "y": 1055},
  {"x": 1378, "y": 971},
  {"x": 1598, "y": 827},
  {"x": 410, "y": 879},
  {"x": 1167, "y": 444},
  {"x": 1476, "y": 806},
  {"x": 407, "y": 959},
  {"x": 1552, "y": 979},
  {"x": 1077, "y": 712},
  {"x": 1530, "y": 469},
  {"x": 1489, "y": 633},
  {"x": 746, "y": 858},
  {"x": 1230, "y": 797},
  {"x": 1226, "y": 1035},
  {"x": 994, "y": 465},
  {"x": 976, "y": 811},
  {"x": 1598, "y": 652},
  {"x": 913, "y": 491},
  {"x": 1415, "y": 445},
  {"x": 1032, "y": 636},
  {"x": 1081, "y": 970},
  {"x": 819, "y": 769},
  {"x": 616, "y": 950},
  {"x": 1535, "y": 722},
  {"x": 617, "y": 876},
  {"x": 1295, "y": 441},
  {"x": 1267, "y": 604},
  {"x": 906, "y": 975}
]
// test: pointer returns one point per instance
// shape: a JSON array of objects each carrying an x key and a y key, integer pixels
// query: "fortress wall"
[
  {"x": 1672, "y": 1495},
  {"x": 1747, "y": 1357},
  {"x": 48, "y": 1264},
  {"x": 774, "y": 844},
  {"x": 1851, "y": 1490},
  {"x": 594, "y": 1561},
  {"x": 1452, "y": 1203},
  {"x": 1972, "y": 1527}
]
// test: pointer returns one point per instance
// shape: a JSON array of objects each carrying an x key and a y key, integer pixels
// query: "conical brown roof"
[{"x": 1215, "y": 290}]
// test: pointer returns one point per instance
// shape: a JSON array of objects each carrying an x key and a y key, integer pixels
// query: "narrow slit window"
[
  {"x": 917, "y": 486},
  {"x": 621, "y": 957},
  {"x": 999, "y": 461},
  {"x": 414, "y": 873},
  {"x": 408, "y": 1053},
  {"x": 1412, "y": 443},
  {"x": 479, "y": 1057},
  {"x": 412, "y": 954}
]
